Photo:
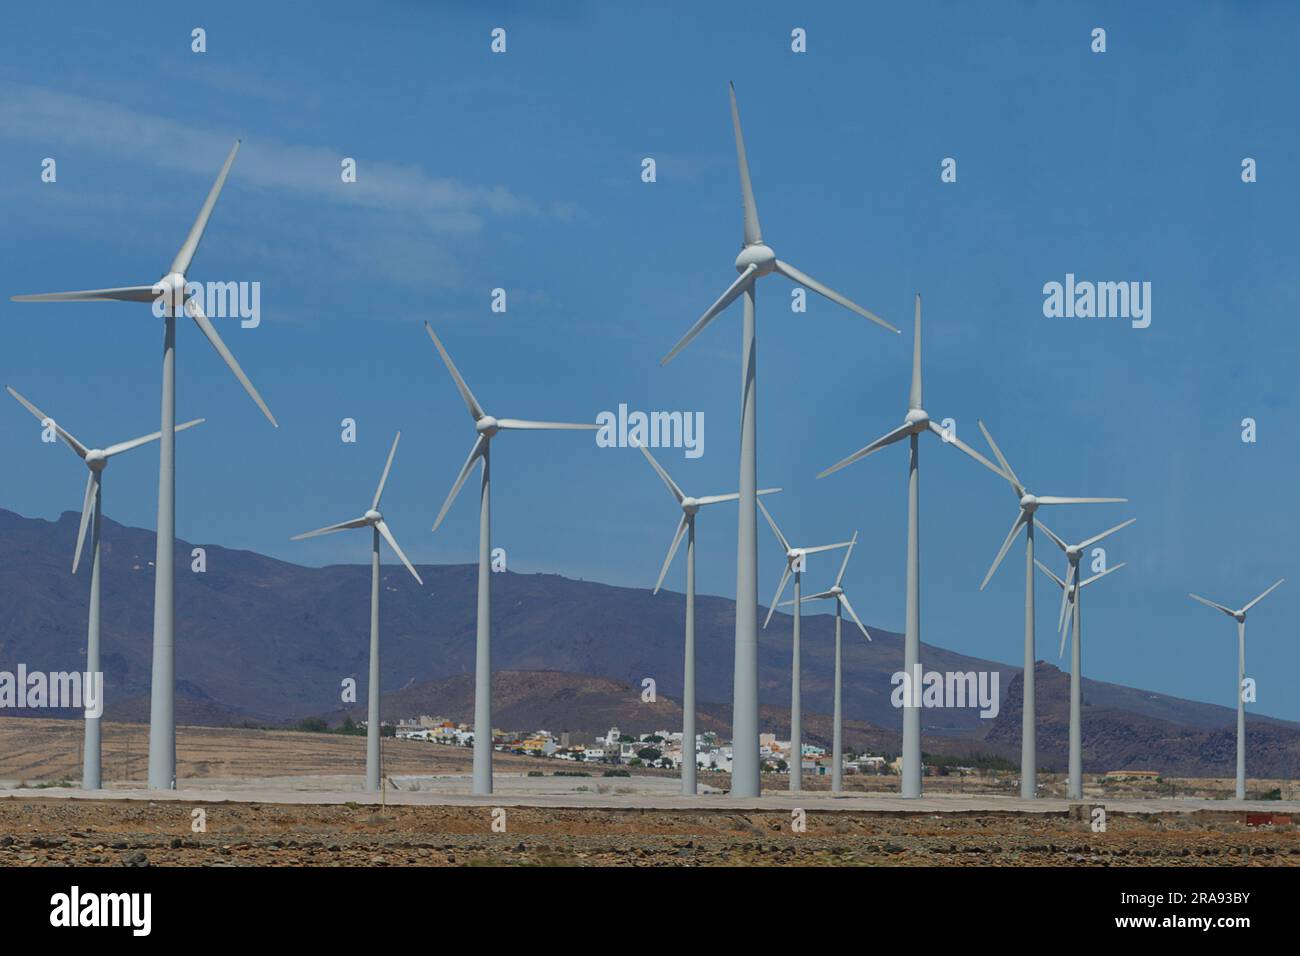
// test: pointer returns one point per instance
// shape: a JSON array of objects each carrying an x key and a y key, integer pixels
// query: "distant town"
[{"x": 657, "y": 749}]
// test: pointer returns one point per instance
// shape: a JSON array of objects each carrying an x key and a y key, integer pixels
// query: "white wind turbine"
[
  {"x": 795, "y": 563},
  {"x": 836, "y": 593},
  {"x": 1240, "y": 617},
  {"x": 756, "y": 259},
  {"x": 1073, "y": 554},
  {"x": 1029, "y": 504},
  {"x": 170, "y": 292},
  {"x": 96, "y": 460},
  {"x": 373, "y": 520},
  {"x": 690, "y": 507},
  {"x": 487, "y": 427},
  {"x": 1071, "y": 594},
  {"x": 916, "y": 423}
]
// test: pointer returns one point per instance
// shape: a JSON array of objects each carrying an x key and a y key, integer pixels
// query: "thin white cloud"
[{"x": 34, "y": 113}]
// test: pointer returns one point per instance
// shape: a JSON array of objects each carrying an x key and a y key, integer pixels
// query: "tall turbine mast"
[{"x": 756, "y": 259}]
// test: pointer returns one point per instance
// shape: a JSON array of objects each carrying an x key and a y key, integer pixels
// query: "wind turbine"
[
  {"x": 1240, "y": 617},
  {"x": 1071, "y": 594},
  {"x": 916, "y": 423},
  {"x": 96, "y": 460},
  {"x": 373, "y": 520},
  {"x": 171, "y": 293},
  {"x": 690, "y": 507},
  {"x": 795, "y": 562},
  {"x": 836, "y": 593},
  {"x": 1073, "y": 553},
  {"x": 1029, "y": 504},
  {"x": 756, "y": 259},
  {"x": 487, "y": 427}
]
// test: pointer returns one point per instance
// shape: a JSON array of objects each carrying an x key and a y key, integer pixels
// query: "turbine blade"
[
  {"x": 902, "y": 431},
  {"x": 1109, "y": 531},
  {"x": 383, "y": 479},
  {"x": 958, "y": 443},
  {"x": 475, "y": 409},
  {"x": 795, "y": 275},
  {"x": 1219, "y": 607},
  {"x": 752, "y": 232},
  {"x": 771, "y": 523},
  {"x": 812, "y": 597},
  {"x": 1065, "y": 631},
  {"x": 1067, "y": 594},
  {"x": 341, "y": 526},
  {"x": 733, "y": 496},
  {"x": 206, "y": 327},
  {"x": 1002, "y": 460},
  {"x": 675, "y": 491},
  {"x": 742, "y": 282},
  {"x": 1113, "y": 567},
  {"x": 130, "y": 293},
  {"x": 1016, "y": 525},
  {"x": 1054, "y": 500},
  {"x": 382, "y": 526},
  {"x": 122, "y": 446},
  {"x": 480, "y": 446},
  {"x": 826, "y": 547},
  {"x": 92, "y": 492},
  {"x": 67, "y": 437},
  {"x": 1049, "y": 572},
  {"x": 780, "y": 589},
  {"x": 672, "y": 550},
  {"x": 848, "y": 553},
  {"x": 1262, "y": 596},
  {"x": 520, "y": 424},
  {"x": 1056, "y": 539},
  {"x": 914, "y": 395},
  {"x": 844, "y": 599},
  {"x": 186, "y": 254}
]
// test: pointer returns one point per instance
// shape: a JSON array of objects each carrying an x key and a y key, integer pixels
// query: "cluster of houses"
[{"x": 661, "y": 748}]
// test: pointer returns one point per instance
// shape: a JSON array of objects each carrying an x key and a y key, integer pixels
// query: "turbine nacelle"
[
  {"x": 171, "y": 289},
  {"x": 760, "y": 256},
  {"x": 918, "y": 419},
  {"x": 373, "y": 517}
]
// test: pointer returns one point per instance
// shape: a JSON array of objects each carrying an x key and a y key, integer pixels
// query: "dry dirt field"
[
  {"x": 41, "y": 831},
  {"x": 44, "y": 833}
]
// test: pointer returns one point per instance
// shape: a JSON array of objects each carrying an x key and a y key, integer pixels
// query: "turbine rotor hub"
[
  {"x": 919, "y": 419},
  {"x": 96, "y": 460},
  {"x": 690, "y": 505},
  {"x": 1029, "y": 502},
  {"x": 373, "y": 516},
  {"x": 487, "y": 425},
  {"x": 760, "y": 255},
  {"x": 171, "y": 289}
]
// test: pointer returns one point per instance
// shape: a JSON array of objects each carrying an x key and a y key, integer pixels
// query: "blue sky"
[{"x": 522, "y": 171}]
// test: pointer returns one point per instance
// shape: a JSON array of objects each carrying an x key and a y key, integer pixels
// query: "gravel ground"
[{"x": 36, "y": 832}]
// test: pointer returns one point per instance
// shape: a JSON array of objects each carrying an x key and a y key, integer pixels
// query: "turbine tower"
[
  {"x": 1240, "y": 617},
  {"x": 96, "y": 460},
  {"x": 914, "y": 425},
  {"x": 756, "y": 259},
  {"x": 373, "y": 520},
  {"x": 1029, "y": 504},
  {"x": 170, "y": 292},
  {"x": 690, "y": 507},
  {"x": 836, "y": 593},
  {"x": 1073, "y": 553},
  {"x": 1071, "y": 593},
  {"x": 487, "y": 427},
  {"x": 795, "y": 562}
]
